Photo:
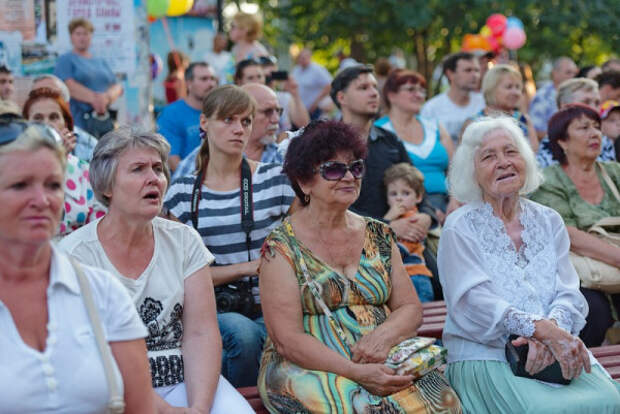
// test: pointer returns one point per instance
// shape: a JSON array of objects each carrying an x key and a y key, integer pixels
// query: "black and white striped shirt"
[{"x": 219, "y": 212}]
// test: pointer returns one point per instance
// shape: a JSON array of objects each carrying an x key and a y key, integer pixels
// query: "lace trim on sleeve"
[
  {"x": 563, "y": 317},
  {"x": 520, "y": 323}
]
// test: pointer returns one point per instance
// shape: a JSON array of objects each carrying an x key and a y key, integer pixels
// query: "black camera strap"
[{"x": 247, "y": 206}]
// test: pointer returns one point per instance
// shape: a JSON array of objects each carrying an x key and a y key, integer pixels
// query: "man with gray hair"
[
  {"x": 576, "y": 91},
  {"x": 179, "y": 122},
  {"x": 544, "y": 103}
]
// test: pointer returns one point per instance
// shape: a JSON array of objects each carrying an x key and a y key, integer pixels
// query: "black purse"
[
  {"x": 98, "y": 125},
  {"x": 517, "y": 356}
]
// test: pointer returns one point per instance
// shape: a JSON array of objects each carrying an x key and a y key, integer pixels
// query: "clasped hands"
[
  {"x": 368, "y": 356},
  {"x": 555, "y": 344}
]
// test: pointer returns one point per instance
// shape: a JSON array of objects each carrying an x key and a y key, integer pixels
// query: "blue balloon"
[{"x": 514, "y": 22}]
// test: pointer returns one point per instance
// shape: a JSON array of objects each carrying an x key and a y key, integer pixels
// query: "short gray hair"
[
  {"x": 104, "y": 164},
  {"x": 567, "y": 89},
  {"x": 33, "y": 138},
  {"x": 63, "y": 89},
  {"x": 462, "y": 175},
  {"x": 493, "y": 77}
]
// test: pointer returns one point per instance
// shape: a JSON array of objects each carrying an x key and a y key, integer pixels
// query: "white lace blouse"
[{"x": 492, "y": 290}]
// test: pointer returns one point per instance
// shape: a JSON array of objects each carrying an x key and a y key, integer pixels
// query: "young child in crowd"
[{"x": 405, "y": 189}]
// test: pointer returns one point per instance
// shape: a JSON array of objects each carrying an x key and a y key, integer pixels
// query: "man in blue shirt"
[{"x": 179, "y": 122}]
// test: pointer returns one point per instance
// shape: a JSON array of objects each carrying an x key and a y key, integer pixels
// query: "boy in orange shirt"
[{"x": 405, "y": 189}]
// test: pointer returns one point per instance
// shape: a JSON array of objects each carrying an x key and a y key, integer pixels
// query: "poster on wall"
[
  {"x": 18, "y": 16},
  {"x": 113, "y": 38}
]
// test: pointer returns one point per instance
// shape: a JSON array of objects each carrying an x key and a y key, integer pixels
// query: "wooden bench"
[
  {"x": 433, "y": 319},
  {"x": 609, "y": 358},
  {"x": 251, "y": 394}
]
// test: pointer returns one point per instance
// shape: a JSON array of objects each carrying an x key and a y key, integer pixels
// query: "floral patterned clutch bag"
[{"x": 416, "y": 356}]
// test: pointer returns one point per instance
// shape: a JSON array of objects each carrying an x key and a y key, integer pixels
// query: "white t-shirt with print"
[{"x": 158, "y": 292}]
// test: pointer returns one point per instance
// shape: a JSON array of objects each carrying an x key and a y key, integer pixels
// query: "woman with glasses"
[
  {"x": 46, "y": 106},
  {"x": 428, "y": 144},
  {"x": 48, "y": 352},
  {"x": 353, "y": 265},
  {"x": 211, "y": 201}
]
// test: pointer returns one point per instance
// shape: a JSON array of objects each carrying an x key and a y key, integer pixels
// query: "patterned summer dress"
[{"x": 360, "y": 306}]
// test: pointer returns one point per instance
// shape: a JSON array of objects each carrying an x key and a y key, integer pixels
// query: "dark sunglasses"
[
  {"x": 334, "y": 170},
  {"x": 12, "y": 129}
]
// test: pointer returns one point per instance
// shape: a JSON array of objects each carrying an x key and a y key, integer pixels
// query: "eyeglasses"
[
  {"x": 12, "y": 129},
  {"x": 413, "y": 89},
  {"x": 270, "y": 111},
  {"x": 334, "y": 170}
]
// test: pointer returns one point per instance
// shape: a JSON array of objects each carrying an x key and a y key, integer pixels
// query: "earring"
[{"x": 306, "y": 198}]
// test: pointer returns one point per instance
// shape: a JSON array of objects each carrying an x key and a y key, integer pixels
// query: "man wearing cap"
[
  {"x": 461, "y": 102},
  {"x": 544, "y": 103},
  {"x": 610, "y": 123}
]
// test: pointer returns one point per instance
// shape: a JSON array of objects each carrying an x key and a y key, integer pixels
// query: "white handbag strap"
[
  {"x": 116, "y": 402},
  {"x": 609, "y": 182}
]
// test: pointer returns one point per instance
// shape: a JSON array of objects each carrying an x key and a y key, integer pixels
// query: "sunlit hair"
[
  {"x": 462, "y": 175},
  {"x": 80, "y": 22},
  {"x": 398, "y": 78},
  {"x": 567, "y": 89},
  {"x": 406, "y": 172},
  {"x": 104, "y": 165},
  {"x": 252, "y": 23},
  {"x": 62, "y": 87},
  {"x": 493, "y": 77},
  {"x": 223, "y": 102},
  {"x": 40, "y": 94},
  {"x": 31, "y": 140}
]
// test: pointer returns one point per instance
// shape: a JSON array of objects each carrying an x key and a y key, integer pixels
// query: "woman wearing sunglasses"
[
  {"x": 211, "y": 201},
  {"x": 353, "y": 264},
  {"x": 48, "y": 352}
]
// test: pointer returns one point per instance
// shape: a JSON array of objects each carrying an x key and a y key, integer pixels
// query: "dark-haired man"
[
  {"x": 354, "y": 91},
  {"x": 6, "y": 83},
  {"x": 461, "y": 101},
  {"x": 179, "y": 122}
]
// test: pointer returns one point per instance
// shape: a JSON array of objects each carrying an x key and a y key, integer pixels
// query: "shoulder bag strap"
[
  {"x": 609, "y": 182},
  {"x": 196, "y": 193},
  {"x": 116, "y": 403},
  {"x": 313, "y": 285}
]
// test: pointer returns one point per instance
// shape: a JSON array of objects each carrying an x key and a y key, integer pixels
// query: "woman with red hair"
[
  {"x": 427, "y": 142},
  {"x": 46, "y": 106}
]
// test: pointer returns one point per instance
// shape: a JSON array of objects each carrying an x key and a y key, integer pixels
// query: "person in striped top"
[{"x": 227, "y": 117}]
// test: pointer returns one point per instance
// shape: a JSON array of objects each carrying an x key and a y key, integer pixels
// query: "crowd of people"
[{"x": 281, "y": 229}]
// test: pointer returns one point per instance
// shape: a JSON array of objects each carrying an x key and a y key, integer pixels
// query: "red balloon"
[
  {"x": 497, "y": 23},
  {"x": 493, "y": 43}
]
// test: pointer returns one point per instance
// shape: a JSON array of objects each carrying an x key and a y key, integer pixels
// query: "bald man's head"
[{"x": 268, "y": 111}]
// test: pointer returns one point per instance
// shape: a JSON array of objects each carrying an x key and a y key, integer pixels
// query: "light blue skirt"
[{"x": 491, "y": 387}]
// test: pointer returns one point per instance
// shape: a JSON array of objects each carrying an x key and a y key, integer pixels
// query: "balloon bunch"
[
  {"x": 172, "y": 8},
  {"x": 499, "y": 31}
]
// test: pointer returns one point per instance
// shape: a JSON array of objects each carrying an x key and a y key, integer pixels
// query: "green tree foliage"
[{"x": 586, "y": 30}]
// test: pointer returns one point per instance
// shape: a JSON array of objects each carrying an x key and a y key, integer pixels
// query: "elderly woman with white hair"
[
  {"x": 505, "y": 270},
  {"x": 165, "y": 267}
]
